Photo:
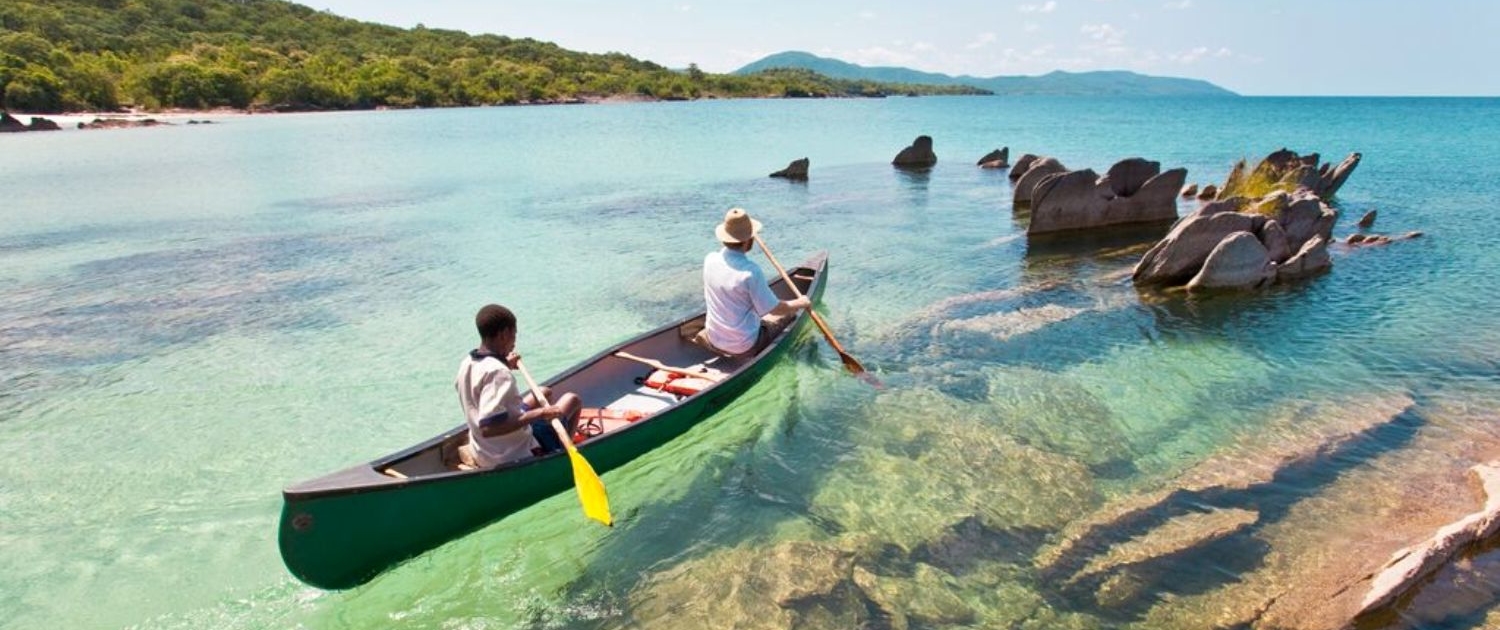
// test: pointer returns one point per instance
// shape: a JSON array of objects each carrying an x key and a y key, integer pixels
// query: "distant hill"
[{"x": 1058, "y": 83}]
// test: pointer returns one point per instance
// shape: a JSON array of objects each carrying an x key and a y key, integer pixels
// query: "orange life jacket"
[{"x": 677, "y": 383}]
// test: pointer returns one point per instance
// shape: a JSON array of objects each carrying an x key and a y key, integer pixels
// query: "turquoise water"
[{"x": 194, "y": 317}]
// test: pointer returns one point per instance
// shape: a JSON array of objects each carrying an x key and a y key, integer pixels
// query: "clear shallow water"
[{"x": 194, "y": 317}]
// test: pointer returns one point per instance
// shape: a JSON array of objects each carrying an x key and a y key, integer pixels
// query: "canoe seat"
[{"x": 458, "y": 454}]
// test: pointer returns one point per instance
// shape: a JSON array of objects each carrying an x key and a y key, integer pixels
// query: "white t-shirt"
[
  {"x": 487, "y": 391},
  {"x": 737, "y": 296}
]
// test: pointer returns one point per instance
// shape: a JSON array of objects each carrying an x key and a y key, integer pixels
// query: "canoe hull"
[{"x": 339, "y": 531}]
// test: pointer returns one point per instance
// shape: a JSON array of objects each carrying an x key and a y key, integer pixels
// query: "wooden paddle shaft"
[
  {"x": 675, "y": 370},
  {"x": 557, "y": 425},
  {"x": 817, "y": 319}
]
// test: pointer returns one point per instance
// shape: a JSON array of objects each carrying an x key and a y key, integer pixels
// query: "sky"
[{"x": 1259, "y": 47}]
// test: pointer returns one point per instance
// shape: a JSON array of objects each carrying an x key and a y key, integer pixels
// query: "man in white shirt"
[
  {"x": 737, "y": 295},
  {"x": 503, "y": 425}
]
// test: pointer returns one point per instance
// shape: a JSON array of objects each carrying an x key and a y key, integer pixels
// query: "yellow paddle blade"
[{"x": 590, "y": 489}]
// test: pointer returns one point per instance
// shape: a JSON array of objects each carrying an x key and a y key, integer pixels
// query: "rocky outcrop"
[
  {"x": 1190, "y": 191},
  {"x": 1378, "y": 239},
  {"x": 1133, "y": 191},
  {"x": 1240, "y": 260},
  {"x": 1408, "y": 567},
  {"x": 119, "y": 123},
  {"x": 1037, "y": 169},
  {"x": 1367, "y": 221},
  {"x": 10, "y": 124},
  {"x": 1208, "y": 193},
  {"x": 1174, "y": 260},
  {"x": 797, "y": 170},
  {"x": 1022, "y": 165},
  {"x": 918, "y": 155},
  {"x": 999, "y": 158},
  {"x": 1288, "y": 227},
  {"x": 1286, "y": 171}
]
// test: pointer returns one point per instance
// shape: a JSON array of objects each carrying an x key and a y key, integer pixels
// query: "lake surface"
[{"x": 194, "y": 317}]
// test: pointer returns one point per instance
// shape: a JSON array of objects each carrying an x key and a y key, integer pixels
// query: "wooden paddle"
[
  {"x": 712, "y": 376},
  {"x": 850, "y": 363},
  {"x": 590, "y": 488}
]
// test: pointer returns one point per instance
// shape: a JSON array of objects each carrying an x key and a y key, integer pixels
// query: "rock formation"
[
  {"x": 1285, "y": 170},
  {"x": 797, "y": 170},
  {"x": 1208, "y": 193},
  {"x": 999, "y": 158},
  {"x": 1037, "y": 169},
  {"x": 1134, "y": 190},
  {"x": 918, "y": 155},
  {"x": 1408, "y": 567},
  {"x": 1367, "y": 221},
  {"x": 1022, "y": 165},
  {"x": 1267, "y": 225},
  {"x": 1190, "y": 191},
  {"x": 9, "y": 124},
  {"x": 119, "y": 123}
]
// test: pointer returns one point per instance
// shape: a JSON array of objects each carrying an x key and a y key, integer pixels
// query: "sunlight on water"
[{"x": 195, "y": 318}]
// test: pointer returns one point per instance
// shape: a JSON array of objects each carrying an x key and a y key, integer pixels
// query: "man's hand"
[{"x": 513, "y": 360}]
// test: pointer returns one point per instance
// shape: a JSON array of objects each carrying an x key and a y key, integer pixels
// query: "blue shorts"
[{"x": 541, "y": 431}]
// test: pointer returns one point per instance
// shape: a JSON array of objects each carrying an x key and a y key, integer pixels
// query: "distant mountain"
[{"x": 1057, "y": 83}]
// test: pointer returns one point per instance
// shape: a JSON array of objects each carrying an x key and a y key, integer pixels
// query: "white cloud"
[
  {"x": 879, "y": 56},
  {"x": 866, "y": 15},
  {"x": 983, "y": 40},
  {"x": 1046, "y": 7},
  {"x": 1106, "y": 34},
  {"x": 685, "y": 8},
  {"x": 1031, "y": 27},
  {"x": 1180, "y": 4}
]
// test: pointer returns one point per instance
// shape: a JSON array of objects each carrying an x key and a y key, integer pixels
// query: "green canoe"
[{"x": 340, "y": 530}]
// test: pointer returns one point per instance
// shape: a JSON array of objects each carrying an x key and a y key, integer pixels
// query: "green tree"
[{"x": 34, "y": 89}]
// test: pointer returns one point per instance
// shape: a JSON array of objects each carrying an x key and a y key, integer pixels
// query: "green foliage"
[
  {"x": 1255, "y": 184},
  {"x": 34, "y": 89},
  {"x": 73, "y": 55}
]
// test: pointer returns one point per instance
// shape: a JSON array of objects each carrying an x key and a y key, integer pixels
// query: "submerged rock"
[
  {"x": 1176, "y": 535},
  {"x": 753, "y": 587},
  {"x": 926, "y": 599},
  {"x": 911, "y": 482},
  {"x": 1304, "y": 435}
]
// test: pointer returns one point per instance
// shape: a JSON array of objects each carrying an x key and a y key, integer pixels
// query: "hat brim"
[{"x": 725, "y": 237}]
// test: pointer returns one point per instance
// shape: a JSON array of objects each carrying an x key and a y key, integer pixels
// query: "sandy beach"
[{"x": 71, "y": 121}]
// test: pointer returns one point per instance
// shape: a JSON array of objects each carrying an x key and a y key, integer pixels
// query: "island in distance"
[{"x": 1056, "y": 83}]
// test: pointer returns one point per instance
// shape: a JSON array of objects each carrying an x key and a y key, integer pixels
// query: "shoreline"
[{"x": 70, "y": 121}]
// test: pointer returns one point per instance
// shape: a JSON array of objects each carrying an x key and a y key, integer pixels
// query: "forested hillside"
[{"x": 81, "y": 55}]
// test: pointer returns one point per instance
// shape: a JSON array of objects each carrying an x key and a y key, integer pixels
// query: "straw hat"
[{"x": 737, "y": 227}]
